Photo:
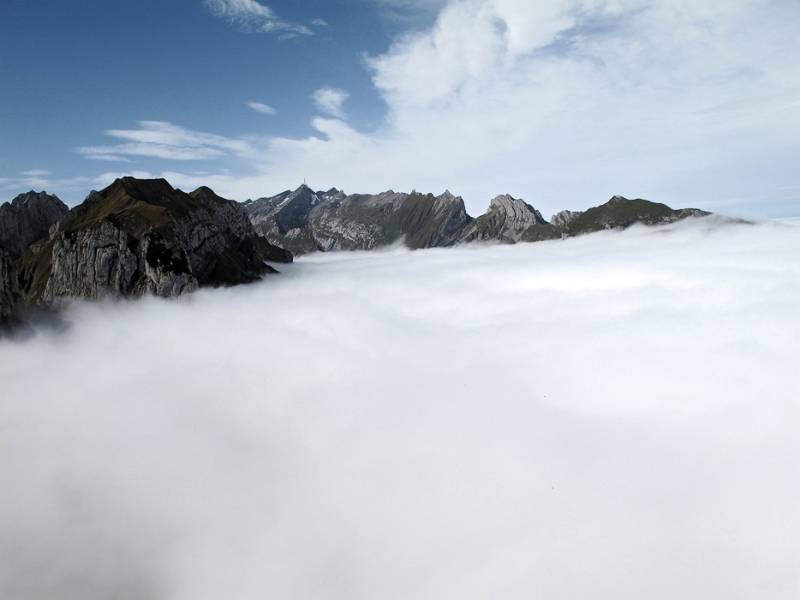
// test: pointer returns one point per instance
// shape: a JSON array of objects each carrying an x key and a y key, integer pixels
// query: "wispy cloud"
[
  {"x": 253, "y": 16},
  {"x": 265, "y": 109},
  {"x": 159, "y": 139},
  {"x": 35, "y": 173},
  {"x": 41, "y": 179},
  {"x": 330, "y": 101},
  {"x": 319, "y": 23}
]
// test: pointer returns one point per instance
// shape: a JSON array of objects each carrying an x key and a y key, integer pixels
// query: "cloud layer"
[{"x": 612, "y": 416}]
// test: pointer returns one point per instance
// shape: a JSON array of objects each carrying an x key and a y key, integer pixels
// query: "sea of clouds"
[{"x": 614, "y": 416}]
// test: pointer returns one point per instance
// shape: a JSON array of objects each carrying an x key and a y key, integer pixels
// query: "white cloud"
[
  {"x": 103, "y": 153},
  {"x": 164, "y": 140},
  {"x": 265, "y": 109},
  {"x": 609, "y": 417},
  {"x": 409, "y": 11},
  {"x": 562, "y": 102},
  {"x": 319, "y": 23},
  {"x": 330, "y": 101},
  {"x": 43, "y": 180},
  {"x": 568, "y": 102},
  {"x": 254, "y": 16}
]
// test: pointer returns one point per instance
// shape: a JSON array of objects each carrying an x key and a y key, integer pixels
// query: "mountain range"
[
  {"x": 305, "y": 221},
  {"x": 143, "y": 236}
]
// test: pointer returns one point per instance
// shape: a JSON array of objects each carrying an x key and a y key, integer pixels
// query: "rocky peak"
[
  {"x": 140, "y": 236},
  {"x": 563, "y": 218},
  {"x": 331, "y": 195},
  {"x": 28, "y": 218},
  {"x": 303, "y": 190},
  {"x": 516, "y": 210},
  {"x": 204, "y": 192}
]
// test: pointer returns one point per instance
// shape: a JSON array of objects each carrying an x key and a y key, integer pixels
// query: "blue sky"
[
  {"x": 72, "y": 70},
  {"x": 562, "y": 103}
]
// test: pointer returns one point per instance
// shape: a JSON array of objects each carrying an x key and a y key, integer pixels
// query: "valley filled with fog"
[{"x": 610, "y": 416}]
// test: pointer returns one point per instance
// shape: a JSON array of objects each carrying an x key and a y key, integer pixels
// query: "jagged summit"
[
  {"x": 28, "y": 218},
  {"x": 563, "y": 218},
  {"x": 516, "y": 209},
  {"x": 140, "y": 236},
  {"x": 510, "y": 220},
  {"x": 306, "y": 221}
]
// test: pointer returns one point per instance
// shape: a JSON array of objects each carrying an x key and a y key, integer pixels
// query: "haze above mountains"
[{"x": 143, "y": 236}]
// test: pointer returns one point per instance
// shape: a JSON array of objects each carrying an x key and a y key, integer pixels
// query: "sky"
[
  {"x": 607, "y": 417},
  {"x": 561, "y": 102}
]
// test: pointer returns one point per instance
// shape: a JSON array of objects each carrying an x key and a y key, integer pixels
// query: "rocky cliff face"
[
  {"x": 304, "y": 220},
  {"x": 144, "y": 237},
  {"x": 284, "y": 219},
  {"x": 28, "y": 218},
  {"x": 563, "y": 218},
  {"x": 9, "y": 292},
  {"x": 509, "y": 220}
]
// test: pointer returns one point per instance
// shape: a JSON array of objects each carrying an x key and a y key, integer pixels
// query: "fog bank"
[{"x": 612, "y": 416}]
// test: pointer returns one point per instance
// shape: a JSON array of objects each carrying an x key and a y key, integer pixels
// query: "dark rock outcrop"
[
  {"x": 509, "y": 220},
  {"x": 142, "y": 236},
  {"x": 28, "y": 218},
  {"x": 9, "y": 291}
]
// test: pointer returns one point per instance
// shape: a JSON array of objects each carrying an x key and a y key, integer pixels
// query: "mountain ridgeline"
[
  {"x": 143, "y": 236},
  {"x": 135, "y": 237},
  {"x": 305, "y": 221}
]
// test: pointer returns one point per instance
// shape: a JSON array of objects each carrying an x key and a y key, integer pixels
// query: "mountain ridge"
[
  {"x": 143, "y": 236},
  {"x": 307, "y": 221}
]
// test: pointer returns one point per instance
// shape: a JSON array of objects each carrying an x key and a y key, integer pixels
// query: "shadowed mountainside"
[{"x": 142, "y": 236}]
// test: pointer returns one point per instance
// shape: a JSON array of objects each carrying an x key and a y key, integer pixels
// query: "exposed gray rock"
[
  {"x": 9, "y": 292},
  {"x": 28, "y": 218},
  {"x": 303, "y": 220},
  {"x": 563, "y": 218},
  {"x": 144, "y": 237},
  {"x": 509, "y": 220},
  {"x": 106, "y": 261}
]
